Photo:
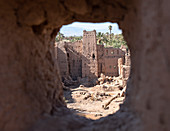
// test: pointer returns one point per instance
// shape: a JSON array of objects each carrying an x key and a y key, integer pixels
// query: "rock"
[
  {"x": 87, "y": 96},
  {"x": 122, "y": 93},
  {"x": 100, "y": 79},
  {"x": 110, "y": 78},
  {"x": 107, "y": 82},
  {"x": 98, "y": 86},
  {"x": 81, "y": 86},
  {"x": 102, "y": 76},
  {"x": 82, "y": 93}
]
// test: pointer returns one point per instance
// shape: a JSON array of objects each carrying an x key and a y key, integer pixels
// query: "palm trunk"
[{"x": 110, "y": 34}]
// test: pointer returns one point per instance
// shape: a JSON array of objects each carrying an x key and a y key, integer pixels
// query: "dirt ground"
[{"x": 89, "y": 101}]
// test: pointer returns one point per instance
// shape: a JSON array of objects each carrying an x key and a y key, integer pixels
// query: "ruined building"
[
  {"x": 69, "y": 57},
  {"x": 30, "y": 89},
  {"x": 108, "y": 60},
  {"x": 87, "y": 59},
  {"x": 89, "y": 55}
]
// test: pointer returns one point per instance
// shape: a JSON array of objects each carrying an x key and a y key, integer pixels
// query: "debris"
[
  {"x": 122, "y": 93},
  {"x": 108, "y": 103},
  {"x": 82, "y": 93},
  {"x": 87, "y": 96},
  {"x": 81, "y": 86},
  {"x": 98, "y": 115}
]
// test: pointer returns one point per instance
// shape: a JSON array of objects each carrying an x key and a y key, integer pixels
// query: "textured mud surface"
[{"x": 30, "y": 89}]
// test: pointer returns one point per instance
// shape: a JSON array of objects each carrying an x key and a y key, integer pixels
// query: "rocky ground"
[{"x": 96, "y": 101}]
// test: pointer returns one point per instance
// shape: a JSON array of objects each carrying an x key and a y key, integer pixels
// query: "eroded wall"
[
  {"x": 111, "y": 56},
  {"x": 30, "y": 84},
  {"x": 89, "y": 55},
  {"x": 61, "y": 59},
  {"x": 74, "y": 56}
]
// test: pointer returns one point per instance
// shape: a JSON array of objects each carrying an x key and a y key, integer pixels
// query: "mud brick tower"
[{"x": 89, "y": 55}]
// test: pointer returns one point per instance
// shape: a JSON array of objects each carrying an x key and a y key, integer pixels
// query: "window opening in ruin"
[
  {"x": 81, "y": 69},
  {"x": 93, "y": 56},
  {"x": 67, "y": 54},
  {"x": 106, "y": 52}
]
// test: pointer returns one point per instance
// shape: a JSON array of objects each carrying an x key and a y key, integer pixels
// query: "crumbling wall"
[
  {"x": 149, "y": 64},
  {"x": 68, "y": 59},
  {"x": 61, "y": 59},
  {"x": 124, "y": 70},
  {"x": 107, "y": 59},
  {"x": 127, "y": 60},
  {"x": 111, "y": 56},
  {"x": 30, "y": 85},
  {"x": 100, "y": 59},
  {"x": 74, "y": 57},
  {"x": 89, "y": 55}
]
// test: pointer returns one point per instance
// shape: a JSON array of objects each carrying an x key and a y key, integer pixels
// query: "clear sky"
[{"x": 76, "y": 28}]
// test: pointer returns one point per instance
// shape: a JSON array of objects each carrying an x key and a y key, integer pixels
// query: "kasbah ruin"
[
  {"x": 33, "y": 96},
  {"x": 104, "y": 69}
]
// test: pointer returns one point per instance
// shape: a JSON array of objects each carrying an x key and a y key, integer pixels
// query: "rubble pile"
[
  {"x": 68, "y": 81},
  {"x": 97, "y": 101},
  {"x": 112, "y": 83},
  {"x": 86, "y": 81}
]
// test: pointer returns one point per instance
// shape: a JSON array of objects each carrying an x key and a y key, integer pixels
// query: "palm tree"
[
  {"x": 60, "y": 36},
  {"x": 102, "y": 35},
  {"x": 99, "y": 34},
  {"x": 107, "y": 34},
  {"x": 112, "y": 35},
  {"x": 110, "y": 28}
]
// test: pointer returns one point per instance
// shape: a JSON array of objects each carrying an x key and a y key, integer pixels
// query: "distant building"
[
  {"x": 89, "y": 55},
  {"x": 87, "y": 59},
  {"x": 108, "y": 60}
]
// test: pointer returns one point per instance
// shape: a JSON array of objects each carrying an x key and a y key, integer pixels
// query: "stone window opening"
[
  {"x": 36, "y": 87},
  {"x": 87, "y": 46}
]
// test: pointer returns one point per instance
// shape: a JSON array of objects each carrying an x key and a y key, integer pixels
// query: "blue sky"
[{"x": 76, "y": 28}]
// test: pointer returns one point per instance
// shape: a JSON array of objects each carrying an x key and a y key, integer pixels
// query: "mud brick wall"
[{"x": 30, "y": 89}]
